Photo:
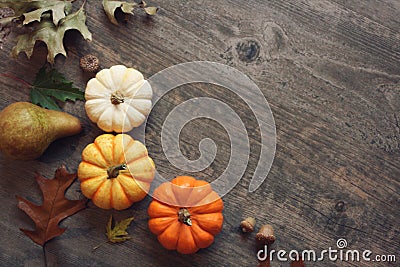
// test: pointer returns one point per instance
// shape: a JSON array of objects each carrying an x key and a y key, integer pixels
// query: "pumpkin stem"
[
  {"x": 184, "y": 216},
  {"x": 117, "y": 98},
  {"x": 113, "y": 171}
]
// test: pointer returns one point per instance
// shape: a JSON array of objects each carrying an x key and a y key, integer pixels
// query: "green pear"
[{"x": 26, "y": 130}]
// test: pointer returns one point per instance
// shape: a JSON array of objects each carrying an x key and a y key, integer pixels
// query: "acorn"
[
  {"x": 266, "y": 234},
  {"x": 89, "y": 63},
  {"x": 248, "y": 224}
]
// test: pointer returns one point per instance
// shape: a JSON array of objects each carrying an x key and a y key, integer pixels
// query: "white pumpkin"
[{"x": 118, "y": 99}]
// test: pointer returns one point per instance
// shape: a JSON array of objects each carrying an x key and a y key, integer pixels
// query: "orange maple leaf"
[{"x": 55, "y": 206}]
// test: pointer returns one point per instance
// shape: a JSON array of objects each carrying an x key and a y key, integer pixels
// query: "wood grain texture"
[{"x": 331, "y": 74}]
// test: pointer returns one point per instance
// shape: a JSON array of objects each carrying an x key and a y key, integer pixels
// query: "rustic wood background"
[{"x": 330, "y": 70}]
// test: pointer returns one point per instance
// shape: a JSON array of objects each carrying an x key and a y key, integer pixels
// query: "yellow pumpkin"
[
  {"x": 118, "y": 99},
  {"x": 115, "y": 171}
]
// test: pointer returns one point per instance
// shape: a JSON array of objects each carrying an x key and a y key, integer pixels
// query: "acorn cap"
[
  {"x": 247, "y": 225},
  {"x": 89, "y": 63},
  {"x": 266, "y": 234}
]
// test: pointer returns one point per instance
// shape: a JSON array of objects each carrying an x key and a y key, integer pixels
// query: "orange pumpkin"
[
  {"x": 185, "y": 214},
  {"x": 115, "y": 171}
]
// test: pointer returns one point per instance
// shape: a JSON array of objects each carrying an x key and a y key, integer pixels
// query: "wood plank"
[{"x": 330, "y": 72}]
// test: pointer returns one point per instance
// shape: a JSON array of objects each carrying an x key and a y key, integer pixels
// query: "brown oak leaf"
[{"x": 55, "y": 206}]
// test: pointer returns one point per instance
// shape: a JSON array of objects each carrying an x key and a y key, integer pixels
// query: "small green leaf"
[
  {"x": 118, "y": 233},
  {"x": 40, "y": 99},
  {"x": 50, "y": 85}
]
